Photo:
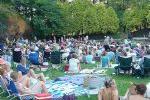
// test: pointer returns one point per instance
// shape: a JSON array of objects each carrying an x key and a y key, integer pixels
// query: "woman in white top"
[{"x": 74, "y": 64}]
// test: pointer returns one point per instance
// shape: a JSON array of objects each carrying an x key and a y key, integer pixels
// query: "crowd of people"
[{"x": 30, "y": 54}]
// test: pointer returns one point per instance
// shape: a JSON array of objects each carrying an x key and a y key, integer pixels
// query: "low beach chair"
[{"x": 12, "y": 90}]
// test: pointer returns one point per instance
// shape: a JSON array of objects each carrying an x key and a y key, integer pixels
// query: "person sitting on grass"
[
  {"x": 84, "y": 57},
  {"x": 89, "y": 58},
  {"x": 29, "y": 86},
  {"x": 74, "y": 64},
  {"x": 136, "y": 92},
  {"x": 105, "y": 62},
  {"x": 110, "y": 54},
  {"x": 109, "y": 92}
]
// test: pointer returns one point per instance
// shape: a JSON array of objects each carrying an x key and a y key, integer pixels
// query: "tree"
[
  {"x": 132, "y": 19},
  {"x": 136, "y": 18},
  {"x": 44, "y": 16},
  {"x": 107, "y": 18},
  {"x": 148, "y": 19},
  {"x": 90, "y": 22},
  {"x": 112, "y": 21},
  {"x": 78, "y": 9},
  {"x": 5, "y": 13}
]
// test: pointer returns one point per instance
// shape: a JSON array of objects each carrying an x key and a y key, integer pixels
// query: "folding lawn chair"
[
  {"x": 125, "y": 64},
  {"x": 17, "y": 55},
  {"x": 46, "y": 56},
  {"x": 56, "y": 59},
  {"x": 146, "y": 65},
  {"x": 4, "y": 87}
]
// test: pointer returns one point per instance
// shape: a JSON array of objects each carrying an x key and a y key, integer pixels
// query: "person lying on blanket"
[{"x": 28, "y": 84}]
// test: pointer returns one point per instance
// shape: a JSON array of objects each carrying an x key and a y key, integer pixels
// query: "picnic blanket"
[
  {"x": 71, "y": 85},
  {"x": 60, "y": 88}
]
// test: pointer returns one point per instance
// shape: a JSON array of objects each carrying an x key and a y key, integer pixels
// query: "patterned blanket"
[{"x": 71, "y": 85}]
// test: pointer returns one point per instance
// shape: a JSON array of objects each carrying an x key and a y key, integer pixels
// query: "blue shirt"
[
  {"x": 89, "y": 58},
  {"x": 22, "y": 69},
  {"x": 111, "y": 55},
  {"x": 34, "y": 57},
  {"x": 105, "y": 61}
]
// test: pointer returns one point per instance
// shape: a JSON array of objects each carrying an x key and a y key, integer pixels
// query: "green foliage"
[
  {"x": 107, "y": 18},
  {"x": 6, "y": 11},
  {"x": 43, "y": 15},
  {"x": 85, "y": 18},
  {"x": 90, "y": 24},
  {"x": 132, "y": 19},
  {"x": 77, "y": 10},
  {"x": 112, "y": 21},
  {"x": 148, "y": 19},
  {"x": 136, "y": 18},
  {"x": 47, "y": 17}
]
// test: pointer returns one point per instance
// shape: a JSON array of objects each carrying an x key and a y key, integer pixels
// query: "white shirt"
[
  {"x": 147, "y": 94},
  {"x": 73, "y": 65}
]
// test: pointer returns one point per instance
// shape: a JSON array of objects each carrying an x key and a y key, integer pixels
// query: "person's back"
[
  {"x": 111, "y": 55},
  {"x": 107, "y": 94},
  {"x": 22, "y": 69},
  {"x": 105, "y": 62},
  {"x": 89, "y": 58},
  {"x": 74, "y": 64},
  {"x": 110, "y": 91},
  {"x": 33, "y": 57},
  {"x": 136, "y": 97}
]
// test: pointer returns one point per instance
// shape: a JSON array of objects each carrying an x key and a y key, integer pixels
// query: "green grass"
[{"x": 122, "y": 81}]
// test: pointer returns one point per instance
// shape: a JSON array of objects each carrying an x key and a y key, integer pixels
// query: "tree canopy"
[{"x": 58, "y": 17}]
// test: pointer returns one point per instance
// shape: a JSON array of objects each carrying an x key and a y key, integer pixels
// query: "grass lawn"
[{"x": 123, "y": 81}]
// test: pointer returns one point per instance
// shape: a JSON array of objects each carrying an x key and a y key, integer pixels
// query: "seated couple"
[
  {"x": 28, "y": 85},
  {"x": 24, "y": 83},
  {"x": 135, "y": 92}
]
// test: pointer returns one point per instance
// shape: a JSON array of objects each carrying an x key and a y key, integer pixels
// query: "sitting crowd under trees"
[{"x": 28, "y": 55}]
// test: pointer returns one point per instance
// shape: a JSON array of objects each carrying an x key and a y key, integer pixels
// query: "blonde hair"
[{"x": 14, "y": 76}]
